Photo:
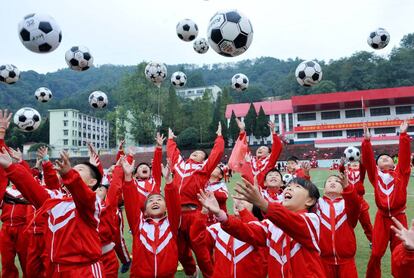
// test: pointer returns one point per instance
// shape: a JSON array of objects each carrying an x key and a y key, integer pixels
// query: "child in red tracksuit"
[
  {"x": 218, "y": 187},
  {"x": 403, "y": 255},
  {"x": 290, "y": 232},
  {"x": 72, "y": 236},
  {"x": 338, "y": 211},
  {"x": 356, "y": 175},
  {"x": 13, "y": 238},
  {"x": 265, "y": 159},
  {"x": 232, "y": 257},
  {"x": 272, "y": 189},
  {"x": 190, "y": 177},
  {"x": 390, "y": 185},
  {"x": 154, "y": 233},
  {"x": 296, "y": 170}
]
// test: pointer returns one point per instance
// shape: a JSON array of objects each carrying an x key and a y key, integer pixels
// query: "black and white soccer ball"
[
  {"x": 39, "y": 33},
  {"x": 287, "y": 178},
  {"x": 239, "y": 82},
  {"x": 27, "y": 119},
  {"x": 156, "y": 72},
  {"x": 230, "y": 33},
  {"x": 43, "y": 94},
  {"x": 187, "y": 30},
  {"x": 201, "y": 46},
  {"x": 178, "y": 79},
  {"x": 9, "y": 74},
  {"x": 352, "y": 154},
  {"x": 379, "y": 38},
  {"x": 98, "y": 99},
  {"x": 79, "y": 58},
  {"x": 308, "y": 73}
]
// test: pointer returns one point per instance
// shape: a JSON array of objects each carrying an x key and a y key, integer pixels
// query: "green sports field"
[{"x": 363, "y": 252}]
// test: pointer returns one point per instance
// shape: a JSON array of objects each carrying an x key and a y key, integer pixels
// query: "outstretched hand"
[
  {"x": 16, "y": 154},
  {"x": 5, "y": 118},
  {"x": 404, "y": 126},
  {"x": 171, "y": 134},
  {"x": 63, "y": 165},
  {"x": 127, "y": 167},
  {"x": 208, "y": 201},
  {"x": 367, "y": 134},
  {"x": 166, "y": 172},
  {"x": 159, "y": 139},
  {"x": 250, "y": 193},
  {"x": 306, "y": 167},
  {"x": 240, "y": 124},
  {"x": 271, "y": 126},
  {"x": 5, "y": 158},
  {"x": 343, "y": 179},
  {"x": 218, "y": 132},
  {"x": 406, "y": 235},
  {"x": 42, "y": 152}
]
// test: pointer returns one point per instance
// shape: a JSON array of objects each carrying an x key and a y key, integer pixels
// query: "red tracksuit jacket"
[
  {"x": 232, "y": 257},
  {"x": 190, "y": 176},
  {"x": 72, "y": 237},
  {"x": 402, "y": 262},
  {"x": 221, "y": 194},
  {"x": 390, "y": 186},
  {"x": 14, "y": 214},
  {"x": 272, "y": 196},
  {"x": 152, "y": 184},
  {"x": 154, "y": 243},
  {"x": 355, "y": 177},
  {"x": 291, "y": 238},
  {"x": 339, "y": 218}
]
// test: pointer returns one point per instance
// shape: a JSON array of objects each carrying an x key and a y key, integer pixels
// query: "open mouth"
[
  {"x": 145, "y": 172},
  {"x": 288, "y": 196},
  {"x": 155, "y": 207}
]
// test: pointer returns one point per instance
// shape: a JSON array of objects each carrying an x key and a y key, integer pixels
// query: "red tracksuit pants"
[
  {"x": 344, "y": 270},
  {"x": 121, "y": 248},
  {"x": 110, "y": 264},
  {"x": 365, "y": 219},
  {"x": 13, "y": 241},
  {"x": 38, "y": 261},
  {"x": 85, "y": 271},
  {"x": 382, "y": 234},
  {"x": 186, "y": 244}
]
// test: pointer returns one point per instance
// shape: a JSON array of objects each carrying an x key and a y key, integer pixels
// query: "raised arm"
[
  {"x": 215, "y": 155},
  {"x": 352, "y": 201},
  {"x": 172, "y": 200},
  {"x": 120, "y": 150},
  {"x": 173, "y": 153},
  {"x": 156, "y": 163},
  {"x": 404, "y": 153},
  {"x": 368, "y": 157},
  {"x": 49, "y": 173},
  {"x": 115, "y": 188},
  {"x": 253, "y": 233}
]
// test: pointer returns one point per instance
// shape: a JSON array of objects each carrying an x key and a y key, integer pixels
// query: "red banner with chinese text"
[{"x": 324, "y": 127}]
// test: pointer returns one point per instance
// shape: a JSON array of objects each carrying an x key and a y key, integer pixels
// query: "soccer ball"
[
  {"x": 79, "y": 58},
  {"x": 230, "y": 33},
  {"x": 9, "y": 74},
  {"x": 287, "y": 178},
  {"x": 352, "y": 154},
  {"x": 239, "y": 82},
  {"x": 27, "y": 119},
  {"x": 187, "y": 30},
  {"x": 178, "y": 79},
  {"x": 308, "y": 73},
  {"x": 98, "y": 99},
  {"x": 39, "y": 33},
  {"x": 201, "y": 45},
  {"x": 156, "y": 72},
  {"x": 378, "y": 39},
  {"x": 43, "y": 94}
]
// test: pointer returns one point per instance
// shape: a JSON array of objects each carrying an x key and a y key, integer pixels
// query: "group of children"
[{"x": 65, "y": 221}]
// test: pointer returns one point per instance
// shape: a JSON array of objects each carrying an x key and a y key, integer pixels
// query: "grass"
[{"x": 363, "y": 251}]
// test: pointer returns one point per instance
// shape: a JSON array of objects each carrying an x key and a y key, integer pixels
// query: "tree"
[
  {"x": 407, "y": 41},
  {"x": 262, "y": 130},
  {"x": 233, "y": 128},
  {"x": 250, "y": 120},
  {"x": 172, "y": 110},
  {"x": 188, "y": 138},
  {"x": 217, "y": 117},
  {"x": 201, "y": 114}
]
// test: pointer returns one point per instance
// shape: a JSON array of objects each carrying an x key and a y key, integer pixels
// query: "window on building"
[
  {"x": 84, "y": 143},
  {"x": 65, "y": 132},
  {"x": 97, "y": 137},
  {"x": 74, "y": 142},
  {"x": 403, "y": 110},
  {"x": 89, "y": 127},
  {"x": 355, "y": 113},
  {"x": 93, "y": 120},
  {"x": 84, "y": 117},
  {"x": 65, "y": 123},
  {"x": 380, "y": 111},
  {"x": 329, "y": 115},
  {"x": 384, "y": 130},
  {"x": 410, "y": 129},
  {"x": 290, "y": 116},
  {"x": 306, "y": 117},
  {"x": 84, "y": 134},
  {"x": 93, "y": 136},
  {"x": 89, "y": 136},
  {"x": 79, "y": 117},
  {"x": 97, "y": 145},
  {"x": 65, "y": 114},
  {"x": 354, "y": 133},
  {"x": 80, "y": 134},
  {"x": 79, "y": 143},
  {"x": 306, "y": 135},
  {"x": 65, "y": 142},
  {"x": 333, "y": 133},
  {"x": 84, "y": 125}
]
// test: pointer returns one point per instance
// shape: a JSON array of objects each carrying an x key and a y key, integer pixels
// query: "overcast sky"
[{"x": 130, "y": 31}]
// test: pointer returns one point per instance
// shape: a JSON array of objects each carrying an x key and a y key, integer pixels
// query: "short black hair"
[
  {"x": 310, "y": 187},
  {"x": 274, "y": 170},
  {"x": 94, "y": 173},
  {"x": 142, "y": 163},
  {"x": 381, "y": 154},
  {"x": 293, "y": 158}
]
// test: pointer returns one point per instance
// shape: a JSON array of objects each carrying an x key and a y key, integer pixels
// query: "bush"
[{"x": 188, "y": 138}]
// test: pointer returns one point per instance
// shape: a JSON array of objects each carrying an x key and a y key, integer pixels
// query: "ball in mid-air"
[
  {"x": 187, "y": 30},
  {"x": 43, "y": 94},
  {"x": 287, "y": 178},
  {"x": 308, "y": 73},
  {"x": 27, "y": 119},
  {"x": 9, "y": 74},
  {"x": 156, "y": 72},
  {"x": 201, "y": 46},
  {"x": 39, "y": 33},
  {"x": 239, "y": 82},
  {"x": 379, "y": 38},
  {"x": 178, "y": 79},
  {"x": 98, "y": 99},
  {"x": 79, "y": 58},
  {"x": 230, "y": 33},
  {"x": 352, "y": 154}
]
